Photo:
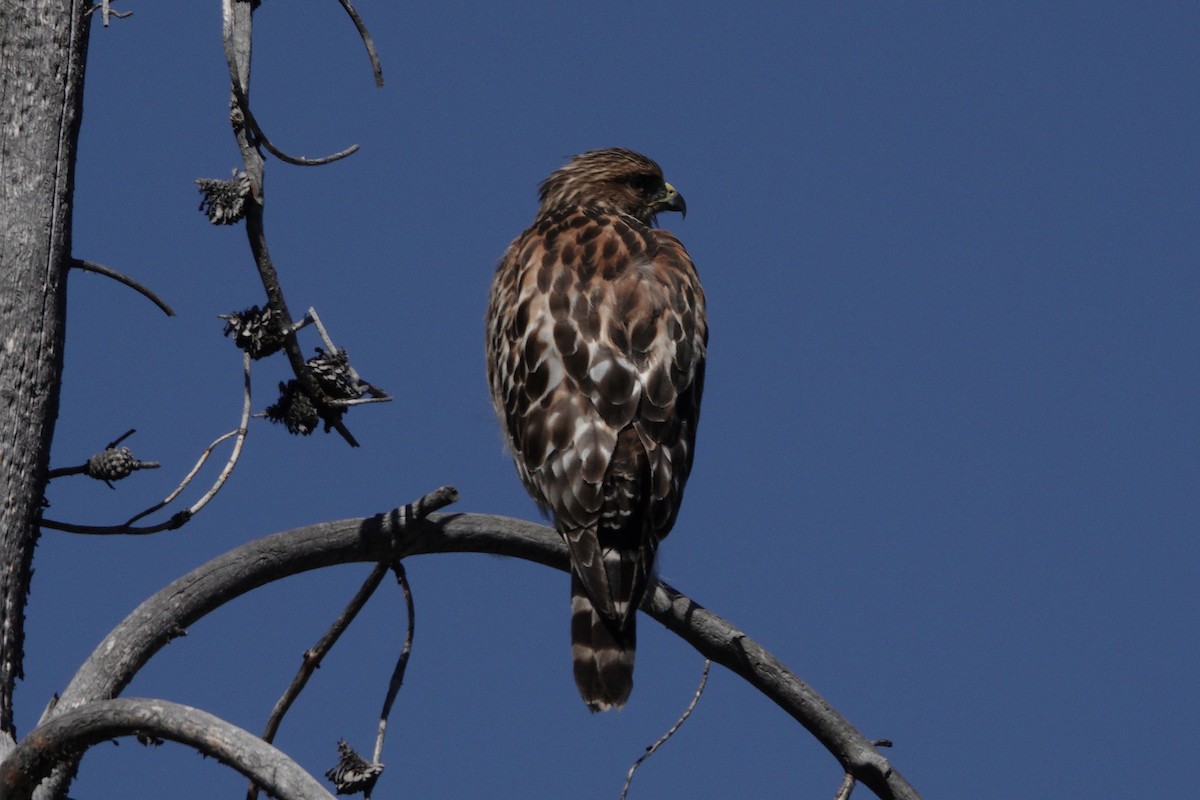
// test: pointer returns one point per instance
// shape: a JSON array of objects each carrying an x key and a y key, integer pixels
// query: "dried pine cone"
[
  {"x": 253, "y": 331},
  {"x": 295, "y": 409},
  {"x": 353, "y": 774},
  {"x": 334, "y": 374},
  {"x": 224, "y": 200},
  {"x": 111, "y": 464}
]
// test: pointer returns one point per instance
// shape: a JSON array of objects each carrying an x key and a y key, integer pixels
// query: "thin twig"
[
  {"x": 62, "y": 472},
  {"x": 299, "y": 161},
  {"x": 120, "y": 438},
  {"x": 357, "y": 401},
  {"x": 417, "y": 510},
  {"x": 401, "y": 662},
  {"x": 313, "y": 657},
  {"x": 313, "y": 317},
  {"x": 237, "y": 21},
  {"x": 179, "y": 519},
  {"x": 86, "y": 469},
  {"x": 243, "y": 429},
  {"x": 237, "y": 29},
  {"x": 187, "y": 479},
  {"x": 239, "y": 432},
  {"x": 687, "y": 712},
  {"x": 106, "y": 11},
  {"x": 367, "y": 41},
  {"x": 109, "y": 272},
  {"x": 176, "y": 521}
]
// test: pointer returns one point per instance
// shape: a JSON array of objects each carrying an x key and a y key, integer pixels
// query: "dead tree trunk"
[{"x": 43, "y": 45}]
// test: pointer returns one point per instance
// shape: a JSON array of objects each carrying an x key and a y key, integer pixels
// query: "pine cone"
[{"x": 111, "y": 464}]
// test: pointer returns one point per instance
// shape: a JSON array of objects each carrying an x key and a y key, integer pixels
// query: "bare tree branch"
[
  {"x": 313, "y": 656},
  {"x": 296, "y": 161},
  {"x": 237, "y": 28},
  {"x": 69, "y": 734},
  {"x": 180, "y": 518},
  {"x": 368, "y": 42},
  {"x": 401, "y": 662},
  {"x": 397, "y": 534},
  {"x": 108, "y": 272},
  {"x": 843, "y": 792}
]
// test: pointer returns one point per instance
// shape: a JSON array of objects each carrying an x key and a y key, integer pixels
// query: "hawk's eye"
[{"x": 644, "y": 185}]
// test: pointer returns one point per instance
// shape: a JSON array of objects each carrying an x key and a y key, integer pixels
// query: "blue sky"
[{"x": 947, "y": 469}]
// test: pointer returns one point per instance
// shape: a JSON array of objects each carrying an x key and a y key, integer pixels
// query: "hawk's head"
[{"x": 612, "y": 178}]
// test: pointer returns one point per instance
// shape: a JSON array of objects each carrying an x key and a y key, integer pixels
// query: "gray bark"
[
  {"x": 105, "y": 720},
  {"x": 43, "y": 46},
  {"x": 397, "y": 534}
]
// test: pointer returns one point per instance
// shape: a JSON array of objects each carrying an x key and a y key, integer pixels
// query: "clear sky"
[{"x": 948, "y": 465}]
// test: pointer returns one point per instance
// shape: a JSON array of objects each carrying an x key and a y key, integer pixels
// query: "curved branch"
[
  {"x": 236, "y": 35},
  {"x": 401, "y": 661},
  {"x": 368, "y": 42},
  {"x": 44, "y": 748},
  {"x": 108, "y": 272},
  {"x": 398, "y": 534}
]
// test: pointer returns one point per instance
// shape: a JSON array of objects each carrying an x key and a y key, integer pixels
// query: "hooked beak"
[{"x": 671, "y": 200}]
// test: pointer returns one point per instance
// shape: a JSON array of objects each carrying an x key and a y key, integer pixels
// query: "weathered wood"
[{"x": 43, "y": 47}]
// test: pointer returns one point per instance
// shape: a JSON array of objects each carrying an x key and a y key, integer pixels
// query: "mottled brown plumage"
[{"x": 596, "y": 339}]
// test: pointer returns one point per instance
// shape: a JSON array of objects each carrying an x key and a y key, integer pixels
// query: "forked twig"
[
  {"x": 687, "y": 712},
  {"x": 109, "y": 272},
  {"x": 106, "y": 10},
  {"x": 240, "y": 439},
  {"x": 418, "y": 509},
  {"x": 181, "y": 518},
  {"x": 187, "y": 479},
  {"x": 313, "y": 657},
  {"x": 433, "y": 501}
]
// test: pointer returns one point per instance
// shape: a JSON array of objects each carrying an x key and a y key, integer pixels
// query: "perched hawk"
[{"x": 596, "y": 340}]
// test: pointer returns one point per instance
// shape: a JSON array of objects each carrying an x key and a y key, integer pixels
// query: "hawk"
[{"x": 596, "y": 338}]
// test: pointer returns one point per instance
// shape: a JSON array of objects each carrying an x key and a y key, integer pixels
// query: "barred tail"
[{"x": 603, "y": 652}]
